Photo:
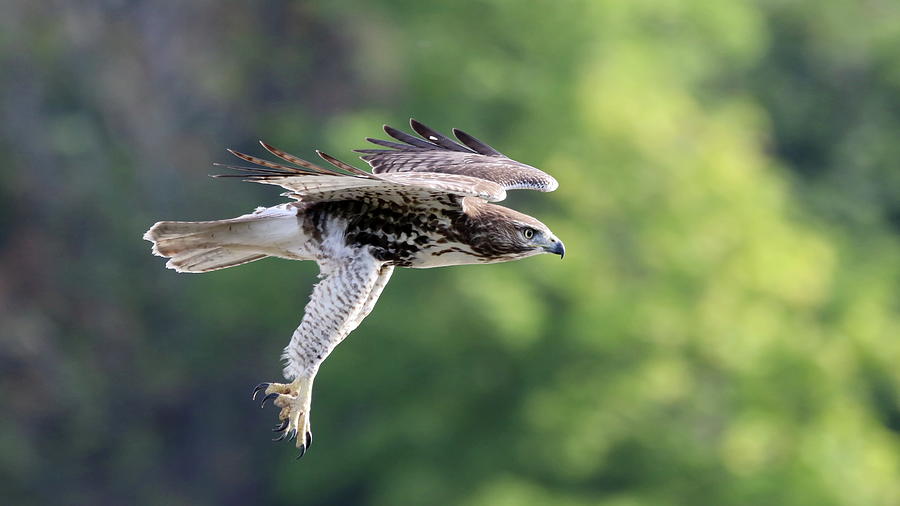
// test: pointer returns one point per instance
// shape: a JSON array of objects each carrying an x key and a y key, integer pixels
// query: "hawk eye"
[{"x": 528, "y": 233}]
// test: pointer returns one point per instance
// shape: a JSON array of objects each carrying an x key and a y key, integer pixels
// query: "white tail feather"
[{"x": 202, "y": 246}]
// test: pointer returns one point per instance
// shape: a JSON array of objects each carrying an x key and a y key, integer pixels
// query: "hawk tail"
[{"x": 203, "y": 246}]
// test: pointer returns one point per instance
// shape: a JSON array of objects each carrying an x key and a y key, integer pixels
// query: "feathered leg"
[{"x": 338, "y": 304}]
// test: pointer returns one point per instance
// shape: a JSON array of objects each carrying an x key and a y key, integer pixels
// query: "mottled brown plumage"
[{"x": 426, "y": 204}]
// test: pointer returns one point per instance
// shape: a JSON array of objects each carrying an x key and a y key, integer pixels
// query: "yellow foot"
[{"x": 294, "y": 400}]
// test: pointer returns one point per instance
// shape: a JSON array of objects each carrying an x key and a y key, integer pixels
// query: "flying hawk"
[{"x": 425, "y": 204}]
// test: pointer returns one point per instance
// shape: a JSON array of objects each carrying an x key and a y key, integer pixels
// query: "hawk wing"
[
  {"x": 436, "y": 153},
  {"x": 311, "y": 183}
]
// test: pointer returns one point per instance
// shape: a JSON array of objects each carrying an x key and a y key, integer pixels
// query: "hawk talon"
[
  {"x": 270, "y": 396},
  {"x": 294, "y": 400},
  {"x": 261, "y": 386},
  {"x": 302, "y": 452}
]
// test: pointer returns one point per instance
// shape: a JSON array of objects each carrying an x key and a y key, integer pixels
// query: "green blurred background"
[{"x": 724, "y": 329}]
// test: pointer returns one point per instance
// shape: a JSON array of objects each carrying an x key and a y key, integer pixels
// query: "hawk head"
[{"x": 500, "y": 234}]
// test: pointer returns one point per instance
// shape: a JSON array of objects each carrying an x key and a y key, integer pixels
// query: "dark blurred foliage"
[{"x": 724, "y": 329}]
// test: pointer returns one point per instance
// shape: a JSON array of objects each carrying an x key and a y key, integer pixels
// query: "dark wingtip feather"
[
  {"x": 372, "y": 151},
  {"x": 408, "y": 139},
  {"x": 436, "y": 137},
  {"x": 475, "y": 144},
  {"x": 389, "y": 144}
]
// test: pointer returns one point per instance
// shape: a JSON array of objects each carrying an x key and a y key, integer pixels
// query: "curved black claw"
[
  {"x": 279, "y": 428},
  {"x": 308, "y": 440},
  {"x": 302, "y": 451},
  {"x": 270, "y": 396},
  {"x": 279, "y": 438},
  {"x": 291, "y": 434},
  {"x": 261, "y": 386}
]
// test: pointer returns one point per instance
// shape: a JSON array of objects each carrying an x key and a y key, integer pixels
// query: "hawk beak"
[{"x": 557, "y": 248}]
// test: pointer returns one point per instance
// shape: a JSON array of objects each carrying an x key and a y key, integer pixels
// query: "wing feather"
[
  {"x": 345, "y": 166},
  {"x": 436, "y": 137},
  {"x": 387, "y": 144},
  {"x": 402, "y": 136},
  {"x": 311, "y": 183},
  {"x": 475, "y": 144},
  {"x": 296, "y": 160},
  {"x": 437, "y": 153}
]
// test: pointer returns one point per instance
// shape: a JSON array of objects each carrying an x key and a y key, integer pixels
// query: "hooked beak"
[{"x": 557, "y": 248}]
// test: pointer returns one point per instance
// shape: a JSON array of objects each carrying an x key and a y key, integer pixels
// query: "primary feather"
[{"x": 435, "y": 152}]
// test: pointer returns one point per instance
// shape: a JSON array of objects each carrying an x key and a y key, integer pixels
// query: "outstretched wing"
[
  {"x": 437, "y": 153},
  {"x": 339, "y": 302},
  {"x": 312, "y": 183}
]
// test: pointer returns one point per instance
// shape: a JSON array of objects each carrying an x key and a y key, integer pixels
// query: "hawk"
[{"x": 426, "y": 203}]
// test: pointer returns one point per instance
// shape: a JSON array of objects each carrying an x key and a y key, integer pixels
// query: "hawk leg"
[
  {"x": 339, "y": 302},
  {"x": 294, "y": 399}
]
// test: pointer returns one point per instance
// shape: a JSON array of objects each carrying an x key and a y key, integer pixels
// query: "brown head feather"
[{"x": 499, "y": 232}]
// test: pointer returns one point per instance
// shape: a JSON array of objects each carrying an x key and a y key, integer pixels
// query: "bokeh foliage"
[{"x": 724, "y": 328}]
